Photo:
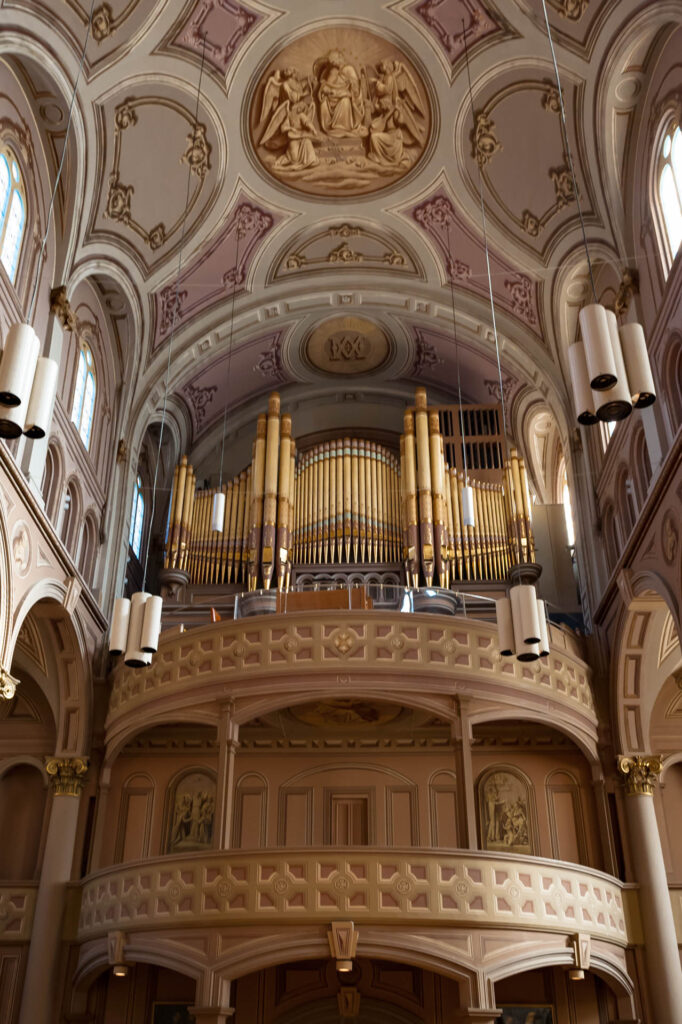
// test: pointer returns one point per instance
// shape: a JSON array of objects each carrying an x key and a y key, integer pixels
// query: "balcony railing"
[{"x": 395, "y": 887}]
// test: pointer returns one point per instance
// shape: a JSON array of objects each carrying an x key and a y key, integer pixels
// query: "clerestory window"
[
  {"x": 83, "y": 409},
  {"x": 12, "y": 211},
  {"x": 669, "y": 189}
]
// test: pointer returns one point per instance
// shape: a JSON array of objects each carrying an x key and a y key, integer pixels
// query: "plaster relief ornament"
[{"x": 340, "y": 113}]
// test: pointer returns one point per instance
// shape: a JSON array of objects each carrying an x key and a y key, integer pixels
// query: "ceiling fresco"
[
  {"x": 340, "y": 112},
  {"x": 332, "y": 174}
]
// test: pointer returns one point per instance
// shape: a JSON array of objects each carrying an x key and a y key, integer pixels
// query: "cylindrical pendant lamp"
[
  {"x": 544, "y": 631},
  {"x": 218, "y": 514},
  {"x": 614, "y": 404},
  {"x": 505, "y": 627},
  {"x": 530, "y": 652},
  {"x": 118, "y": 634},
  {"x": 18, "y": 364},
  {"x": 524, "y": 606},
  {"x": 637, "y": 365},
  {"x": 135, "y": 657},
  {"x": 468, "y": 515},
  {"x": 39, "y": 412},
  {"x": 601, "y": 366},
  {"x": 582, "y": 392},
  {"x": 151, "y": 625},
  {"x": 12, "y": 420}
]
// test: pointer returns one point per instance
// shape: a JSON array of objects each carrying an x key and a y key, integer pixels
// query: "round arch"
[{"x": 75, "y": 708}]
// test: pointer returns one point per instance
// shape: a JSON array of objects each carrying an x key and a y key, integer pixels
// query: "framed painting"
[
  {"x": 534, "y": 1014},
  {"x": 171, "y": 1013}
]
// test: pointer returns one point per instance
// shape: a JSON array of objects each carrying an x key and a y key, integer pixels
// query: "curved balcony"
[
  {"x": 378, "y": 887},
  {"x": 301, "y": 654}
]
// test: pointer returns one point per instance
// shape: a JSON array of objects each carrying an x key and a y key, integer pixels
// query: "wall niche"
[
  {"x": 190, "y": 812},
  {"x": 506, "y": 810}
]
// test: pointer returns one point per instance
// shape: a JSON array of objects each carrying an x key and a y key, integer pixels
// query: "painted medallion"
[{"x": 340, "y": 112}]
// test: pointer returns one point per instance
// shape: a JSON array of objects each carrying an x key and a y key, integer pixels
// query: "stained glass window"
[
  {"x": 137, "y": 518},
  {"x": 83, "y": 408},
  {"x": 12, "y": 212},
  {"x": 670, "y": 187}
]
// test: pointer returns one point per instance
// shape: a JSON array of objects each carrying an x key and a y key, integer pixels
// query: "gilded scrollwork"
[
  {"x": 345, "y": 245},
  {"x": 640, "y": 773},
  {"x": 572, "y": 10},
  {"x": 67, "y": 774},
  {"x": 340, "y": 114},
  {"x": 484, "y": 142},
  {"x": 120, "y": 196}
]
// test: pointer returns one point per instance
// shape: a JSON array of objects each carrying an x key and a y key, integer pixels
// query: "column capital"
[
  {"x": 67, "y": 774},
  {"x": 640, "y": 773}
]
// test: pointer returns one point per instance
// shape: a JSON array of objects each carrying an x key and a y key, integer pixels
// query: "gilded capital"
[
  {"x": 67, "y": 774},
  {"x": 640, "y": 773}
]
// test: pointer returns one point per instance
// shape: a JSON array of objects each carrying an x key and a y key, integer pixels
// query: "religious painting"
[
  {"x": 347, "y": 711},
  {"x": 172, "y": 1013},
  {"x": 340, "y": 112},
  {"x": 191, "y": 812},
  {"x": 505, "y": 812},
  {"x": 526, "y": 1015}
]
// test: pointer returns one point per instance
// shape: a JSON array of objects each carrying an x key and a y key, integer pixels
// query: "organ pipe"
[{"x": 350, "y": 501}]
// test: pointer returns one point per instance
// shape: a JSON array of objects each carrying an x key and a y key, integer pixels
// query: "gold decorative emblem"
[
  {"x": 640, "y": 773},
  {"x": 340, "y": 112},
  {"x": 67, "y": 774}
]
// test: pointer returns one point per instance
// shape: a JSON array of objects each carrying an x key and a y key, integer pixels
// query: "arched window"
[
  {"x": 12, "y": 211},
  {"x": 84, "y": 396},
  {"x": 568, "y": 511},
  {"x": 137, "y": 518},
  {"x": 669, "y": 186},
  {"x": 86, "y": 559}
]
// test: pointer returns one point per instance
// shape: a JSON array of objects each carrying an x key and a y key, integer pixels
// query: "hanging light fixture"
[
  {"x": 614, "y": 363},
  {"x": 28, "y": 381},
  {"x": 521, "y": 616},
  {"x": 136, "y": 621},
  {"x": 218, "y": 511}
]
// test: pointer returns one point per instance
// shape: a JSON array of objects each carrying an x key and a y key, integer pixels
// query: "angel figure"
[
  {"x": 396, "y": 81},
  {"x": 301, "y": 134},
  {"x": 340, "y": 99},
  {"x": 385, "y": 137},
  {"x": 283, "y": 90}
]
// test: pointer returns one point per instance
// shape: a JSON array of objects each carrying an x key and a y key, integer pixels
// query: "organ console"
[{"x": 350, "y": 501}]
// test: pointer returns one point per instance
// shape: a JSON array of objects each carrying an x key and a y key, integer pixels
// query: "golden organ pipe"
[
  {"x": 310, "y": 528},
  {"x": 239, "y": 526},
  {"x": 526, "y": 510},
  {"x": 397, "y": 539},
  {"x": 167, "y": 556},
  {"x": 424, "y": 484},
  {"x": 435, "y": 463},
  {"x": 347, "y": 498},
  {"x": 292, "y": 500},
  {"x": 368, "y": 501},
  {"x": 325, "y": 502},
  {"x": 201, "y": 555},
  {"x": 283, "y": 498},
  {"x": 490, "y": 533},
  {"x": 223, "y": 539},
  {"x": 355, "y": 496},
  {"x": 411, "y": 499},
  {"x": 363, "y": 511},
  {"x": 257, "y": 487},
  {"x": 450, "y": 521},
  {"x": 270, "y": 491},
  {"x": 210, "y": 544},
  {"x": 338, "y": 515},
  {"x": 177, "y": 520},
  {"x": 332, "y": 501},
  {"x": 233, "y": 529},
  {"x": 190, "y": 516},
  {"x": 319, "y": 513},
  {"x": 374, "y": 488},
  {"x": 382, "y": 502},
  {"x": 185, "y": 521},
  {"x": 457, "y": 525}
]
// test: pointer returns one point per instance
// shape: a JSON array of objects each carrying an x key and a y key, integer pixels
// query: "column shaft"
[{"x": 39, "y": 992}]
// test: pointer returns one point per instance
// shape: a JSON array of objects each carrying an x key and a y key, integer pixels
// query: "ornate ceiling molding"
[
  {"x": 463, "y": 257},
  {"x": 445, "y": 22},
  {"x": 345, "y": 245},
  {"x": 211, "y": 277},
  {"x": 225, "y": 24}
]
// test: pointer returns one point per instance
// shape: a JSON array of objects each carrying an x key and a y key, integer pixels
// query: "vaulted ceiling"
[{"x": 334, "y": 176}]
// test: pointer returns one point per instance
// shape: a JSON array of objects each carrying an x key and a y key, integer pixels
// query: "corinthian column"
[
  {"x": 38, "y": 1002},
  {"x": 640, "y": 774}
]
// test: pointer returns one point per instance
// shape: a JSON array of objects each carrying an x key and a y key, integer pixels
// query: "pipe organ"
[
  {"x": 350, "y": 501},
  {"x": 347, "y": 504}
]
